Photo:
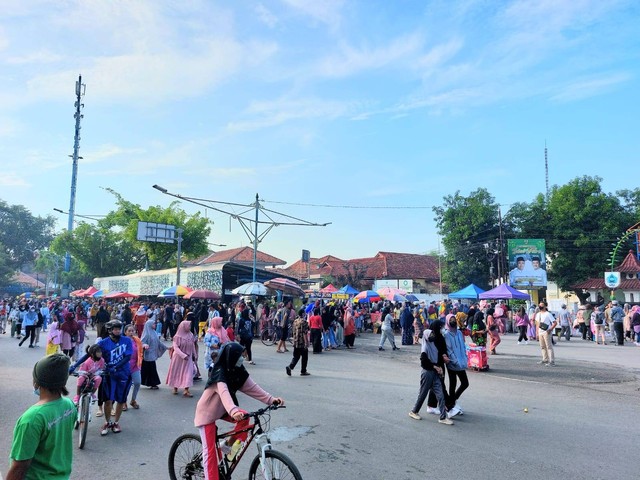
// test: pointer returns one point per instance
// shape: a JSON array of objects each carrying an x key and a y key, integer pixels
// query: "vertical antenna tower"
[
  {"x": 80, "y": 90},
  {"x": 546, "y": 169}
]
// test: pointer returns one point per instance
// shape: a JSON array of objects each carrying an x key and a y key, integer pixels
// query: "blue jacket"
[{"x": 456, "y": 350}]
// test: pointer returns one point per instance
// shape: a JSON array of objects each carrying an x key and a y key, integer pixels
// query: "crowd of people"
[{"x": 218, "y": 337}]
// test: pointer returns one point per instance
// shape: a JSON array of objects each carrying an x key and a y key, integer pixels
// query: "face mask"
[
  {"x": 442, "y": 330},
  {"x": 240, "y": 362},
  {"x": 36, "y": 392}
]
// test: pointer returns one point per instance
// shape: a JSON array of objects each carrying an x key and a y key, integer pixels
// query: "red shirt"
[{"x": 315, "y": 321}]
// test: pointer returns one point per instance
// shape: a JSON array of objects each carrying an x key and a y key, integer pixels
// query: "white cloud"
[
  {"x": 266, "y": 16},
  {"x": 325, "y": 11},
  {"x": 271, "y": 113},
  {"x": 40, "y": 57},
  {"x": 108, "y": 151},
  {"x": 12, "y": 179},
  {"x": 590, "y": 87}
]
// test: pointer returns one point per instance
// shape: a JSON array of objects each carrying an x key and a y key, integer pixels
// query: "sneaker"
[
  {"x": 105, "y": 428},
  {"x": 305, "y": 374},
  {"x": 519, "y": 342},
  {"x": 288, "y": 369},
  {"x": 542, "y": 362},
  {"x": 552, "y": 364},
  {"x": 446, "y": 421},
  {"x": 459, "y": 407},
  {"x": 415, "y": 416},
  {"x": 433, "y": 411},
  {"x": 76, "y": 399},
  {"x": 395, "y": 348},
  {"x": 224, "y": 448},
  {"x": 381, "y": 349},
  {"x": 115, "y": 427},
  {"x": 453, "y": 412},
  {"x": 526, "y": 342}
]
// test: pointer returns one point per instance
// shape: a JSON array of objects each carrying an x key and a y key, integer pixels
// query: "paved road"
[{"x": 349, "y": 418}]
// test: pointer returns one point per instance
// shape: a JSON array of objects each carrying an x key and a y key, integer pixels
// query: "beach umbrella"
[
  {"x": 411, "y": 297},
  {"x": 367, "y": 296},
  {"x": 398, "y": 298},
  {"x": 98, "y": 294},
  {"x": 252, "y": 288},
  {"x": 175, "y": 291},
  {"x": 284, "y": 285},
  {"x": 389, "y": 292},
  {"x": 203, "y": 294}
]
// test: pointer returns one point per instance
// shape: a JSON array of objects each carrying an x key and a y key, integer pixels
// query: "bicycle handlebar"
[{"x": 264, "y": 410}]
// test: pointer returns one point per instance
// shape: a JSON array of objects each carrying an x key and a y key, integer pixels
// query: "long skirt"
[{"x": 149, "y": 374}]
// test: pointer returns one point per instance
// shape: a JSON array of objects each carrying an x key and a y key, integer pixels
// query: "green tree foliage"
[
  {"x": 468, "y": 226},
  {"x": 22, "y": 233},
  {"x": 110, "y": 247},
  {"x": 6, "y": 271},
  {"x": 579, "y": 223},
  {"x": 196, "y": 229}
]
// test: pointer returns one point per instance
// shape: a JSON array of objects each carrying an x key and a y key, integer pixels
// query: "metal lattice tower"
[{"x": 80, "y": 90}]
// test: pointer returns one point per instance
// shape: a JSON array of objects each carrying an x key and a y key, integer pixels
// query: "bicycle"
[
  {"x": 185, "y": 455},
  {"x": 269, "y": 336},
  {"x": 84, "y": 407}
]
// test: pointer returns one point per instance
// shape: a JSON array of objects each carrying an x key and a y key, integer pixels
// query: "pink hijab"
[{"x": 215, "y": 328}]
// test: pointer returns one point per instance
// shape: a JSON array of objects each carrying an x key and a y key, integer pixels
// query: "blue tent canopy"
[
  {"x": 348, "y": 289},
  {"x": 470, "y": 291}
]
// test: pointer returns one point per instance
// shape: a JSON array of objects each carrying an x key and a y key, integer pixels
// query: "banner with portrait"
[{"x": 527, "y": 263}]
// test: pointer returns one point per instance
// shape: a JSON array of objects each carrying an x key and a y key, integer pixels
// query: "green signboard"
[{"x": 527, "y": 263}]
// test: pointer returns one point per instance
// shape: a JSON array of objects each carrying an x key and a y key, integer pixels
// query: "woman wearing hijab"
[
  {"x": 493, "y": 325},
  {"x": 153, "y": 349},
  {"x": 479, "y": 330},
  {"x": 181, "y": 367},
  {"x": 69, "y": 329},
  {"x": 219, "y": 401},
  {"x": 436, "y": 337}
]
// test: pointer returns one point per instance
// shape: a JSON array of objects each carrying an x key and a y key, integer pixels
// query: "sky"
[{"x": 361, "y": 113}]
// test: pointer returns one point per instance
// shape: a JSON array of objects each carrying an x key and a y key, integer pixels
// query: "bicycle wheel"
[
  {"x": 268, "y": 336},
  {"x": 279, "y": 465},
  {"x": 84, "y": 420},
  {"x": 185, "y": 458}
]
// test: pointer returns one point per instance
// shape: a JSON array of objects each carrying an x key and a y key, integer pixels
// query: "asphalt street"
[{"x": 349, "y": 418}]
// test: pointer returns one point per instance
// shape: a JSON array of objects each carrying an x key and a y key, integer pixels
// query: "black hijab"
[
  {"x": 224, "y": 369},
  {"x": 438, "y": 338},
  {"x": 478, "y": 319}
]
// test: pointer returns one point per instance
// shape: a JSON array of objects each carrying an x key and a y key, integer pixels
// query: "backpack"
[
  {"x": 281, "y": 318},
  {"x": 598, "y": 318}
]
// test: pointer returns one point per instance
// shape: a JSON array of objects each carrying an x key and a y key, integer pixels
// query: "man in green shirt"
[{"x": 43, "y": 436}]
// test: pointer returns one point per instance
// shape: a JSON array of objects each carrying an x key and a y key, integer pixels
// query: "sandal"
[
  {"x": 99, "y": 413},
  {"x": 134, "y": 404},
  {"x": 187, "y": 394},
  {"x": 175, "y": 391}
]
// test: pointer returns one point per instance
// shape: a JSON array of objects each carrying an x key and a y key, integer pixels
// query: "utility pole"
[
  {"x": 500, "y": 248},
  {"x": 80, "y": 90},
  {"x": 546, "y": 170}
]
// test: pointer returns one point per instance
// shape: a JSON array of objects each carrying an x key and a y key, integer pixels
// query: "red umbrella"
[{"x": 204, "y": 294}]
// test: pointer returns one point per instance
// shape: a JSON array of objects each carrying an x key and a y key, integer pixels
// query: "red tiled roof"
[
  {"x": 238, "y": 255},
  {"x": 383, "y": 265},
  {"x": 23, "y": 278},
  {"x": 630, "y": 264},
  {"x": 598, "y": 283}
]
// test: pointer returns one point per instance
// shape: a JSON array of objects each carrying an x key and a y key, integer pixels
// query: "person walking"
[
  {"x": 546, "y": 325},
  {"x": 522, "y": 322},
  {"x": 245, "y": 333},
  {"x": 181, "y": 365},
  {"x": 406, "y": 322},
  {"x": 493, "y": 326},
  {"x": 617, "y": 316},
  {"x": 599, "y": 322},
  {"x": 386, "y": 329},
  {"x": 135, "y": 362},
  {"x": 564, "y": 317},
  {"x": 349, "y": 328},
  {"x": 431, "y": 361},
  {"x": 153, "y": 349},
  {"x": 456, "y": 368},
  {"x": 300, "y": 335},
  {"x": 29, "y": 324},
  {"x": 315, "y": 324}
]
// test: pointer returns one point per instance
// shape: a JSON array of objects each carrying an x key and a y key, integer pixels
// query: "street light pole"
[
  {"x": 179, "y": 230},
  {"x": 255, "y": 242}
]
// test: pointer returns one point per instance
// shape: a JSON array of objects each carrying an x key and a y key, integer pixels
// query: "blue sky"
[{"x": 350, "y": 103}]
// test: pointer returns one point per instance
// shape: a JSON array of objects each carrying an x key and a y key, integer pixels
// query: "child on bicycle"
[
  {"x": 88, "y": 370},
  {"x": 219, "y": 401}
]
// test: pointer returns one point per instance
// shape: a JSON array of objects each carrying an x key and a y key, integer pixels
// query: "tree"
[
  {"x": 195, "y": 228},
  {"x": 354, "y": 275},
  {"x": 469, "y": 227},
  {"x": 50, "y": 264},
  {"x": 22, "y": 234},
  {"x": 6, "y": 271},
  {"x": 579, "y": 223}
]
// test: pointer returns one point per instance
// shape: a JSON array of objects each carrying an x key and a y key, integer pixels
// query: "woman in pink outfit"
[
  {"x": 181, "y": 366},
  {"x": 219, "y": 401},
  {"x": 218, "y": 330}
]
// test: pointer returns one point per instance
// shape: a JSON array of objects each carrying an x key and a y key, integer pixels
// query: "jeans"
[
  {"x": 30, "y": 331},
  {"x": 430, "y": 381},
  {"x": 136, "y": 379},
  {"x": 566, "y": 332}
]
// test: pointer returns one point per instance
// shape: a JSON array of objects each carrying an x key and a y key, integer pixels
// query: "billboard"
[
  {"x": 527, "y": 263},
  {"x": 156, "y": 232}
]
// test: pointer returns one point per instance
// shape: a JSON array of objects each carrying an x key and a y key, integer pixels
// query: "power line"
[{"x": 364, "y": 207}]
